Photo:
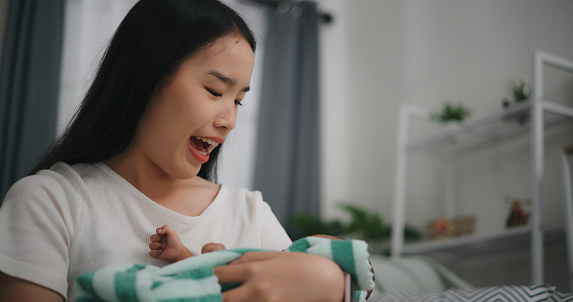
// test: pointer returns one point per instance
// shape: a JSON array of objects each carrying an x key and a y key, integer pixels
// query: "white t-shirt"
[{"x": 70, "y": 220}]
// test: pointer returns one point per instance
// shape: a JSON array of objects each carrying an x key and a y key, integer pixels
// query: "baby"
[{"x": 166, "y": 245}]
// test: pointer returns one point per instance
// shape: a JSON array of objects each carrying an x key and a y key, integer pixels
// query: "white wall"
[
  {"x": 88, "y": 27},
  {"x": 380, "y": 54}
]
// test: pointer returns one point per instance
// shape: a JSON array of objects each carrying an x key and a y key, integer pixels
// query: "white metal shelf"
[
  {"x": 465, "y": 241},
  {"x": 477, "y": 134},
  {"x": 512, "y": 240},
  {"x": 485, "y": 132}
]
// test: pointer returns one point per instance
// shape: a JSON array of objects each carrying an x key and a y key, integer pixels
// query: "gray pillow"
[{"x": 561, "y": 297}]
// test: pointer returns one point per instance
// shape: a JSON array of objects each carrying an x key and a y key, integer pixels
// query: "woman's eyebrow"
[{"x": 227, "y": 80}]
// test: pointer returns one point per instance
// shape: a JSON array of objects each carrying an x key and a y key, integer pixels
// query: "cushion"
[
  {"x": 508, "y": 293},
  {"x": 413, "y": 274},
  {"x": 561, "y": 297}
]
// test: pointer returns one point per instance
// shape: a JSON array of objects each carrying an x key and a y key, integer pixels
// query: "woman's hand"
[{"x": 278, "y": 277}]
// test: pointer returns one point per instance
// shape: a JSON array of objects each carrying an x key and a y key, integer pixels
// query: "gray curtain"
[
  {"x": 287, "y": 159},
  {"x": 29, "y": 84}
]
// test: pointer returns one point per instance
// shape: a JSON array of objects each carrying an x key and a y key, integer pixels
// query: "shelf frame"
[{"x": 536, "y": 107}]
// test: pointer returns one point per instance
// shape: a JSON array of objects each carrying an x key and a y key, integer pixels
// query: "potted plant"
[
  {"x": 452, "y": 113},
  {"x": 363, "y": 225},
  {"x": 520, "y": 93}
]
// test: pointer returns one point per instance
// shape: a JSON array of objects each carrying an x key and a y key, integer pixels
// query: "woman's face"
[{"x": 196, "y": 110}]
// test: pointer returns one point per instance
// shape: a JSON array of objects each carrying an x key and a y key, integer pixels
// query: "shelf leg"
[
  {"x": 400, "y": 189},
  {"x": 567, "y": 183},
  {"x": 537, "y": 174},
  {"x": 450, "y": 205}
]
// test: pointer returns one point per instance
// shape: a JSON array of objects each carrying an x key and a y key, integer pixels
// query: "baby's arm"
[{"x": 166, "y": 245}]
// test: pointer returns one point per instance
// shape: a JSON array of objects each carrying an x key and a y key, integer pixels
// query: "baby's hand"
[
  {"x": 211, "y": 247},
  {"x": 166, "y": 245}
]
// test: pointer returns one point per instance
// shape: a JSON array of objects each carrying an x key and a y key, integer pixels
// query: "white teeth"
[
  {"x": 208, "y": 141},
  {"x": 202, "y": 152}
]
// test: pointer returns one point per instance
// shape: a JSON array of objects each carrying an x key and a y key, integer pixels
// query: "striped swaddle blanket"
[{"x": 193, "y": 279}]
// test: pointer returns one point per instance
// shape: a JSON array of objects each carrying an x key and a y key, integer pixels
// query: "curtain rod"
[{"x": 325, "y": 17}]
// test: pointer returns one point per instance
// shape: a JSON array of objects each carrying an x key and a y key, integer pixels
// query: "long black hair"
[{"x": 148, "y": 47}]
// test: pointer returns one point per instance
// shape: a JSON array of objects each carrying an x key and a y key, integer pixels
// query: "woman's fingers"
[
  {"x": 255, "y": 284},
  {"x": 255, "y": 256},
  {"x": 237, "y": 294},
  {"x": 231, "y": 273},
  {"x": 275, "y": 276}
]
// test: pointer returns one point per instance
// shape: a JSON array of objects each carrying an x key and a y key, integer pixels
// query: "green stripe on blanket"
[{"x": 193, "y": 280}]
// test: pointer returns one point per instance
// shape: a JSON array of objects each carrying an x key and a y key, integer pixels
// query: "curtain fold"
[
  {"x": 287, "y": 158},
  {"x": 29, "y": 84}
]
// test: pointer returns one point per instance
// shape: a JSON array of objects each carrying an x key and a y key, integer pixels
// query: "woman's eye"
[
  {"x": 213, "y": 92},
  {"x": 238, "y": 103}
]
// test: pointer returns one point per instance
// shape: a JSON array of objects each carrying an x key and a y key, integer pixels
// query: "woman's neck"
[
  {"x": 189, "y": 196},
  {"x": 146, "y": 176}
]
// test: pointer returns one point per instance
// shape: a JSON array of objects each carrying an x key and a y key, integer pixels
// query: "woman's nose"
[{"x": 227, "y": 117}]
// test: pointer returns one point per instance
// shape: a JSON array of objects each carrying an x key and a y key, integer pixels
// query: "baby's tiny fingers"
[
  {"x": 154, "y": 253},
  {"x": 163, "y": 230},
  {"x": 156, "y": 246},
  {"x": 155, "y": 237},
  {"x": 212, "y": 247}
]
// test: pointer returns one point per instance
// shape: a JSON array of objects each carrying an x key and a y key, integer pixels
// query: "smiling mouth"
[{"x": 203, "y": 146}]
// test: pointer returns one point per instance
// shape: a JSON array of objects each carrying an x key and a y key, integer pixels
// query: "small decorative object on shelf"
[
  {"x": 452, "y": 112},
  {"x": 520, "y": 93},
  {"x": 457, "y": 226},
  {"x": 517, "y": 215},
  {"x": 439, "y": 228}
]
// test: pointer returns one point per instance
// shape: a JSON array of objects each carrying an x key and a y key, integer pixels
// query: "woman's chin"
[
  {"x": 192, "y": 171},
  {"x": 185, "y": 171}
]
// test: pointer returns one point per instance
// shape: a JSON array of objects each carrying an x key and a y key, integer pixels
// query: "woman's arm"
[
  {"x": 277, "y": 277},
  {"x": 371, "y": 267},
  {"x": 19, "y": 290},
  {"x": 35, "y": 219}
]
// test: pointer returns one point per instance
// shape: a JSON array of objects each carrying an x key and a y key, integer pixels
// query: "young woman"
[{"x": 141, "y": 153}]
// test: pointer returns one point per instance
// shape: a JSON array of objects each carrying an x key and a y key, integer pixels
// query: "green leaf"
[{"x": 364, "y": 224}]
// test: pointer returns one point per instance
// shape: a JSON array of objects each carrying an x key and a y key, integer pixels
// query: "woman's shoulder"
[
  {"x": 240, "y": 193},
  {"x": 59, "y": 173},
  {"x": 60, "y": 179},
  {"x": 239, "y": 199},
  {"x": 68, "y": 171},
  {"x": 53, "y": 194}
]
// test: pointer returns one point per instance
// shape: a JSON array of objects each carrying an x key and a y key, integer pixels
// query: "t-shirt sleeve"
[
  {"x": 35, "y": 220},
  {"x": 273, "y": 235}
]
